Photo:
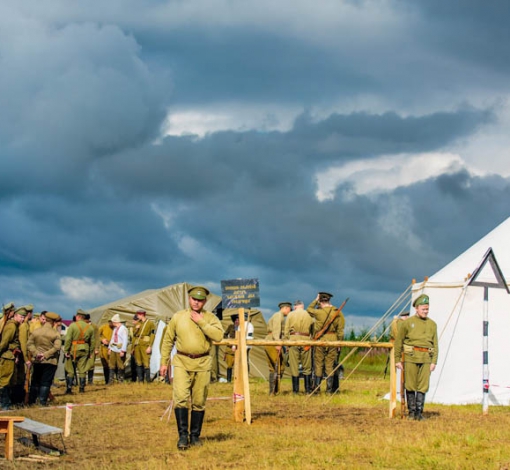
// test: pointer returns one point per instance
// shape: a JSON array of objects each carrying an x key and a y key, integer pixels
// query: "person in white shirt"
[{"x": 117, "y": 349}]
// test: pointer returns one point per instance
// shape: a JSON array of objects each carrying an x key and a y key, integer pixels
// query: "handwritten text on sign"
[{"x": 240, "y": 293}]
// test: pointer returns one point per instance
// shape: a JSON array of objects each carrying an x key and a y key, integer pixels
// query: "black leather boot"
[
  {"x": 90, "y": 376},
  {"x": 197, "y": 419},
  {"x": 295, "y": 385},
  {"x": 5, "y": 399},
  {"x": 33, "y": 394},
  {"x": 69, "y": 385},
  {"x": 271, "y": 383},
  {"x": 330, "y": 382},
  {"x": 121, "y": 375},
  {"x": 181, "y": 416},
  {"x": 106, "y": 373},
  {"x": 308, "y": 384},
  {"x": 411, "y": 404},
  {"x": 44, "y": 393},
  {"x": 147, "y": 375},
  {"x": 318, "y": 381},
  {"x": 420, "y": 402},
  {"x": 139, "y": 374},
  {"x": 83, "y": 382},
  {"x": 229, "y": 374}
]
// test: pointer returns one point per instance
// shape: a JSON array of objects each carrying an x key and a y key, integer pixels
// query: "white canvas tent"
[{"x": 458, "y": 312}]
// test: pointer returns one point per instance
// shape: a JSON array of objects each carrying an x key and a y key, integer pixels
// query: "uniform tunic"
[
  {"x": 143, "y": 338},
  {"x": 275, "y": 329},
  {"x": 11, "y": 361},
  {"x": 79, "y": 344},
  {"x": 325, "y": 357},
  {"x": 91, "y": 363},
  {"x": 417, "y": 332},
  {"x": 105, "y": 336},
  {"x": 298, "y": 327},
  {"x": 191, "y": 375},
  {"x": 46, "y": 341}
]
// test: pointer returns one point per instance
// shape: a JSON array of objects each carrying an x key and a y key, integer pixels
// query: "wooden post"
[
  {"x": 238, "y": 397},
  {"x": 69, "y": 415},
  {"x": 393, "y": 385},
  {"x": 244, "y": 366}
]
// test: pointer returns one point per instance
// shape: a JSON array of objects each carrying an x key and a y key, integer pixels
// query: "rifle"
[
  {"x": 27, "y": 385},
  {"x": 278, "y": 367},
  {"x": 402, "y": 390},
  {"x": 327, "y": 324}
]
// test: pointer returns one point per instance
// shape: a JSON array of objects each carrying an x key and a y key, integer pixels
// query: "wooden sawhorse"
[{"x": 7, "y": 428}]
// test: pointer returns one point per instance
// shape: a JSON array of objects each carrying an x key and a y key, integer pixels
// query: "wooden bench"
[
  {"x": 7, "y": 428},
  {"x": 37, "y": 430}
]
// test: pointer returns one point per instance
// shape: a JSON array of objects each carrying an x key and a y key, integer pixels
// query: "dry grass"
[{"x": 350, "y": 430}]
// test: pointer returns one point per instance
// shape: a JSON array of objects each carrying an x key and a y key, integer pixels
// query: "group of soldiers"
[
  {"x": 319, "y": 321},
  {"x": 31, "y": 345}
]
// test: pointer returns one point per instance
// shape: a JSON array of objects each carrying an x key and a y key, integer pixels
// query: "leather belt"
[
  {"x": 79, "y": 341},
  {"x": 300, "y": 334},
  {"x": 193, "y": 356},
  {"x": 416, "y": 348}
]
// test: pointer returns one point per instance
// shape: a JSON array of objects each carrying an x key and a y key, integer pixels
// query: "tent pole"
[
  {"x": 393, "y": 385},
  {"x": 485, "y": 401}
]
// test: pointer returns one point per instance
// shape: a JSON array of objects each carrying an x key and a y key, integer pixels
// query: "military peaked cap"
[{"x": 198, "y": 292}]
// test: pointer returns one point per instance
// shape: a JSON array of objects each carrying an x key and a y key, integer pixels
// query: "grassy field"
[{"x": 349, "y": 430}]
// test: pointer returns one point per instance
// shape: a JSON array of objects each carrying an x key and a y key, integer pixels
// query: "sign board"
[{"x": 240, "y": 293}]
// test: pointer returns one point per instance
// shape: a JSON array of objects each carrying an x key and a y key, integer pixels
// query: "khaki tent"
[{"x": 160, "y": 304}]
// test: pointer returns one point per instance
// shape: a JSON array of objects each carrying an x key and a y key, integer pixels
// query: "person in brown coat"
[{"x": 44, "y": 345}]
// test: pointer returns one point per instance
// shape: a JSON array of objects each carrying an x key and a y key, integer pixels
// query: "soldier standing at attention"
[
  {"x": 91, "y": 363},
  {"x": 78, "y": 347},
  {"x": 143, "y": 338},
  {"x": 298, "y": 327},
  {"x": 417, "y": 339},
  {"x": 105, "y": 336},
  {"x": 330, "y": 326},
  {"x": 44, "y": 345},
  {"x": 11, "y": 357},
  {"x": 274, "y": 354},
  {"x": 192, "y": 331},
  {"x": 18, "y": 392}
]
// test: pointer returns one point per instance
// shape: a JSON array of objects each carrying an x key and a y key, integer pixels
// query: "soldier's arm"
[
  {"x": 31, "y": 346},
  {"x": 436, "y": 346},
  {"x": 211, "y": 327},
  {"x": 312, "y": 310},
  {"x": 167, "y": 343},
  {"x": 341, "y": 327},
  {"x": 56, "y": 345},
  {"x": 23, "y": 339},
  {"x": 152, "y": 333},
  {"x": 399, "y": 342},
  {"x": 7, "y": 336},
  {"x": 67, "y": 343}
]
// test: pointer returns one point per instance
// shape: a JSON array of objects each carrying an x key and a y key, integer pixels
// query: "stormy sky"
[{"x": 344, "y": 146}]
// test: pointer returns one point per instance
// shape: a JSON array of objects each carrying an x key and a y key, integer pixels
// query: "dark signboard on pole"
[{"x": 240, "y": 293}]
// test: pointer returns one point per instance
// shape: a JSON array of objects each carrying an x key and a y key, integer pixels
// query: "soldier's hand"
[
  {"x": 148, "y": 350},
  {"x": 432, "y": 367},
  {"x": 163, "y": 370},
  {"x": 398, "y": 365},
  {"x": 122, "y": 353},
  {"x": 196, "y": 317}
]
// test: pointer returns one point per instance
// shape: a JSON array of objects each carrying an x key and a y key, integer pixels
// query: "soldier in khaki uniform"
[
  {"x": 91, "y": 363},
  {"x": 11, "y": 357},
  {"x": 18, "y": 390},
  {"x": 35, "y": 322},
  {"x": 298, "y": 327},
  {"x": 230, "y": 351},
  {"x": 417, "y": 339},
  {"x": 192, "y": 331},
  {"x": 144, "y": 332},
  {"x": 325, "y": 358},
  {"x": 274, "y": 354},
  {"x": 105, "y": 335},
  {"x": 77, "y": 349},
  {"x": 44, "y": 345}
]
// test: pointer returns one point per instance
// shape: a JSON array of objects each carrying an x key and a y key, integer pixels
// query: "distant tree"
[{"x": 352, "y": 335}]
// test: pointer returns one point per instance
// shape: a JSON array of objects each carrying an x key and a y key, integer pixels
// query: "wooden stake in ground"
[
  {"x": 244, "y": 365},
  {"x": 393, "y": 385},
  {"x": 69, "y": 415}
]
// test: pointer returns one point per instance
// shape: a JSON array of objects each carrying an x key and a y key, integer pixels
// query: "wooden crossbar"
[{"x": 7, "y": 428}]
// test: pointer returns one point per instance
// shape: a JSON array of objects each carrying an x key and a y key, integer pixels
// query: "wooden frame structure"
[{"x": 241, "y": 397}]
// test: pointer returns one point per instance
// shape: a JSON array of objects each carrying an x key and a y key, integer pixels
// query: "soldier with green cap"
[
  {"x": 11, "y": 358},
  {"x": 417, "y": 340},
  {"x": 78, "y": 347},
  {"x": 144, "y": 332},
  {"x": 44, "y": 345},
  {"x": 275, "y": 354},
  {"x": 192, "y": 331},
  {"x": 7, "y": 313},
  {"x": 330, "y": 326}
]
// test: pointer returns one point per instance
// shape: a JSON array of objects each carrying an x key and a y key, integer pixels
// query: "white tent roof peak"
[{"x": 458, "y": 270}]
